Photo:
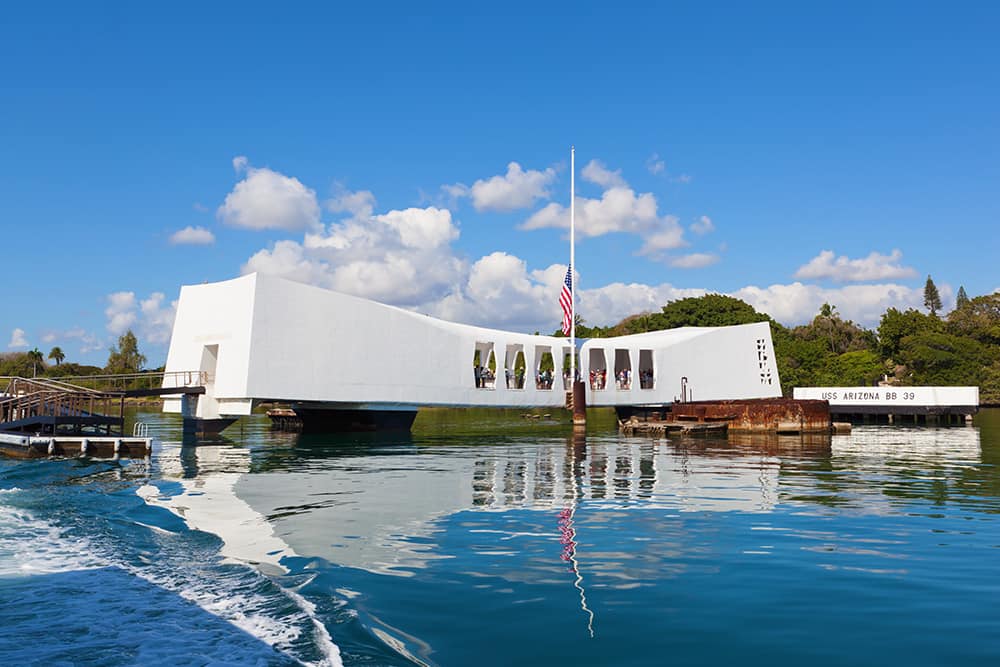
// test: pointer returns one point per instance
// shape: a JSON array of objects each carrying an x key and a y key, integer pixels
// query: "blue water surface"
[{"x": 492, "y": 540}]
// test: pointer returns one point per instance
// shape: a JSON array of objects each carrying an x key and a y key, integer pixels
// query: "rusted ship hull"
[{"x": 764, "y": 415}]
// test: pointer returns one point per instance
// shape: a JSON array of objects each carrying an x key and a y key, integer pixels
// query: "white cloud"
[
  {"x": 703, "y": 225},
  {"x": 597, "y": 173},
  {"x": 192, "y": 236},
  {"x": 695, "y": 260},
  {"x": 89, "y": 342},
  {"x": 120, "y": 312},
  {"x": 665, "y": 234},
  {"x": 17, "y": 340},
  {"x": 612, "y": 303},
  {"x": 618, "y": 210},
  {"x": 500, "y": 291},
  {"x": 826, "y": 266},
  {"x": 266, "y": 199},
  {"x": 148, "y": 318},
  {"x": 798, "y": 303},
  {"x": 157, "y": 320},
  {"x": 403, "y": 257},
  {"x": 240, "y": 163},
  {"x": 508, "y": 192},
  {"x": 358, "y": 204},
  {"x": 201, "y": 208},
  {"x": 684, "y": 179},
  {"x": 655, "y": 165}
]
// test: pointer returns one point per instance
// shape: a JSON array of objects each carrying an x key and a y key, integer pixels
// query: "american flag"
[{"x": 566, "y": 301}]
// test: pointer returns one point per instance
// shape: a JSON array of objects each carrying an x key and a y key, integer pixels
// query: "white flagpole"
[{"x": 572, "y": 264}]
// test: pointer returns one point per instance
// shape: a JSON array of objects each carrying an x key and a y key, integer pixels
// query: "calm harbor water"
[{"x": 484, "y": 539}]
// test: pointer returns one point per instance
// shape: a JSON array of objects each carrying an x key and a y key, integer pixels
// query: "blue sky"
[{"x": 786, "y": 153}]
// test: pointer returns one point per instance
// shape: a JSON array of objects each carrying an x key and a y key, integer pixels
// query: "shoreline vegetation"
[{"x": 907, "y": 348}]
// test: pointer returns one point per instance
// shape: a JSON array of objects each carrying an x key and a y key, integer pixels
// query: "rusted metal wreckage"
[{"x": 763, "y": 415}]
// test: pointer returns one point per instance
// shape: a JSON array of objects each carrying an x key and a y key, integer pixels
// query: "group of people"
[
  {"x": 517, "y": 376},
  {"x": 598, "y": 378},
  {"x": 485, "y": 378},
  {"x": 623, "y": 379}
]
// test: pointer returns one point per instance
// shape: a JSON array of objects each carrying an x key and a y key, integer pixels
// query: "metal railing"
[
  {"x": 25, "y": 399},
  {"x": 133, "y": 381}
]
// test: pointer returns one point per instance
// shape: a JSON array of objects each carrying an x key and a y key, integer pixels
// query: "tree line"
[
  {"x": 908, "y": 348},
  {"x": 123, "y": 358}
]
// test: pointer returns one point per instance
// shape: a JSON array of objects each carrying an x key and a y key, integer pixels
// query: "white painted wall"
[{"x": 286, "y": 341}]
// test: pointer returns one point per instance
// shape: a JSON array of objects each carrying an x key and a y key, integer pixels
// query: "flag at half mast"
[{"x": 566, "y": 301}]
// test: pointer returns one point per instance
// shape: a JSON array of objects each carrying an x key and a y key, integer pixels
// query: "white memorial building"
[{"x": 342, "y": 360}]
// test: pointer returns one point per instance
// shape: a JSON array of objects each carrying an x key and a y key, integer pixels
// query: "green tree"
[
  {"x": 856, "y": 368},
  {"x": 896, "y": 325},
  {"x": 937, "y": 358},
  {"x": 961, "y": 299},
  {"x": 36, "y": 360},
  {"x": 839, "y": 335},
  {"x": 979, "y": 319},
  {"x": 711, "y": 310},
  {"x": 125, "y": 357},
  {"x": 57, "y": 355},
  {"x": 932, "y": 300}
]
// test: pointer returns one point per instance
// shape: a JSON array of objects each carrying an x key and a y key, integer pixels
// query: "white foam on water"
[
  {"x": 210, "y": 504},
  {"x": 31, "y": 546}
]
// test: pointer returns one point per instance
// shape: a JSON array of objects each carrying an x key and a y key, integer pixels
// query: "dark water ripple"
[{"x": 481, "y": 539}]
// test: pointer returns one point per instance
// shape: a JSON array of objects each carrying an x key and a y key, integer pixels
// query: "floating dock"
[{"x": 36, "y": 447}]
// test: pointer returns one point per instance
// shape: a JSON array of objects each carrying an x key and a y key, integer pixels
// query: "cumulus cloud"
[
  {"x": 618, "y": 210},
  {"x": 358, "y": 204},
  {"x": 120, "y": 312},
  {"x": 664, "y": 234},
  {"x": 703, "y": 225},
  {"x": 500, "y": 291},
  {"x": 612, "y": 303},
  {"x": 827, "y": 266},
  {"x": 695, "y": 260},
  {"x": 798, "y": 303},
  {"x": 507, "y": 192},
  {"x": 192, "y": 236},
  {"x": 655, "y": 165},
  {"x": 267, "y": 199},
  {"x": 89, "y": 342},
  {"x": 402, "y": 256},
  {"x": 151, "y": 319},
  {"x": 595, "y": 172},
  {"x": 17, "y": 340}
]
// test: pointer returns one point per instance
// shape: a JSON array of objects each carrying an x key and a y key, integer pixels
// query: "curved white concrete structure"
[{"x": 266, "y": 338}]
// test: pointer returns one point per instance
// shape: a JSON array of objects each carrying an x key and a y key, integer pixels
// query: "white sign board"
[{"x": 896, "y": 396}]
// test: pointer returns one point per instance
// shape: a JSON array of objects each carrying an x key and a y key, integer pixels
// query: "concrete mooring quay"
[
  {"x": 765, "y": 415},
  {"x": 897, "y": 405}
]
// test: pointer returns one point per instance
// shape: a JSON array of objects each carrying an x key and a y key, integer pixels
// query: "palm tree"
[
  {"x": 36, "y": 358},
  {"x": 57, "y": 354}
]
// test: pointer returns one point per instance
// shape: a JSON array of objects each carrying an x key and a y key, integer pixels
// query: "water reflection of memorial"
[{"x": 378, "y": 503}]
